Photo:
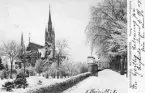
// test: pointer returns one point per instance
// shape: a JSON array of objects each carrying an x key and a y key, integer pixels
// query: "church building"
[{"x": 47, "y": 51}]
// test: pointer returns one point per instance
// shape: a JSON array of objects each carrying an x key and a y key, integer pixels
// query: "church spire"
[
  {"x": 49, "y": 22},
  {"x": 22, "y": 43},
  {"x": 49, "y": 38},
  {"x": 29, "y": 38}
]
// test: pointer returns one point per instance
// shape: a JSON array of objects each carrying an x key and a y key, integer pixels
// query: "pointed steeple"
[
  {"x": 29, "y": 38},
  {"x": 28, "y": 48},
  {"x": 22, "y": 44},
  {"x": 49, "y": 22},
  {"x": 49, "y": 37},
  {"x": 49, "y": 29},
  {"x": 46, "y": 36}
]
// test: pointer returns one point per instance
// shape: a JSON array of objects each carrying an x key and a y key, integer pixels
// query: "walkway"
[{"x": 107, "y": 81}]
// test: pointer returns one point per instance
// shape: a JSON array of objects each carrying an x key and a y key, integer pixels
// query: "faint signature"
[{"x": 100, "y": 91}]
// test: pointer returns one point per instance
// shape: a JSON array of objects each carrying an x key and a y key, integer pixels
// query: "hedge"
[{"x": 60, "y": 87}]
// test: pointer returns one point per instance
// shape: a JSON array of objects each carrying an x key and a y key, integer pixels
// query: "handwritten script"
[
  {"x": 101, "y": 91},
  {"x": 136, "y": 42}
]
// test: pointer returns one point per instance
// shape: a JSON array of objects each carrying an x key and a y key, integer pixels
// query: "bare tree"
[
  {"x": 107, "y": 29},
  {"x": 11, "y": 50},
  {"x": 61, "y": 51},
  {"x": 39, "y": 66},
  {"x": 62, "y": 47}
]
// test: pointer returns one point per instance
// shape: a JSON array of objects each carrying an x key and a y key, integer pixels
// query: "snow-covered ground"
[
  {"x": 107, "y": 80},
  {"x": 33, "y": 83}
]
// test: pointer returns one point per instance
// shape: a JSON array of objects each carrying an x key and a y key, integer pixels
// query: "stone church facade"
[
  {"x": 49, "y": 39},
  {"x": 46, "y": 51}
]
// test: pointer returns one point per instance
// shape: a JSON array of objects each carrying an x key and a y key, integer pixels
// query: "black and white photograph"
[{"x": 69, "y": 46}]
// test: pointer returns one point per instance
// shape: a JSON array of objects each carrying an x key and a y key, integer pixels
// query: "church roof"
[{"x": 34, "y": 47}]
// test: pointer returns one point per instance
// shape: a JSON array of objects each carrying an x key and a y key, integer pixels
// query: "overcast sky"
[{"x": 69, "y": 19}]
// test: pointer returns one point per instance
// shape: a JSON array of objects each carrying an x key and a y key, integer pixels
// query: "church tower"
[{"x": 49, "y": 39}]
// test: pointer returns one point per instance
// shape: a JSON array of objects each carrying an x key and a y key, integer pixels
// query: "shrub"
[
  {"x": 8, "y": 86},
  {"x": 32, "y": 71},
  {"x": 46, "y": 75},
  {"x": 39, "y": 67},
  {"x": 60, "y": 87},
  {"x": 39, "y": 82},
  {"x": 74, "y": 68},
  {"x": 19, "y": 82},
  {"x": 52, "y": 70},
  {"x": 14, "y": 73},
  {"x": 83, "y": 69},
  {"x": 4, "y": 74},
  {"x": 67, "y": 69},
  {"x": 21, "y": 73}
]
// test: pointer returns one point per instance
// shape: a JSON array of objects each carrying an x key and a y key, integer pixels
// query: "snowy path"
[{"x": 107, "y": 80}]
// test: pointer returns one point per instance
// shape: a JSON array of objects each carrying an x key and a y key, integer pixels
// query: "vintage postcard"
[{"x": 72, "y": 46}]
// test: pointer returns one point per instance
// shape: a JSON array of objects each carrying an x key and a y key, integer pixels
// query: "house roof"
[{"x": 34, "y": 47}]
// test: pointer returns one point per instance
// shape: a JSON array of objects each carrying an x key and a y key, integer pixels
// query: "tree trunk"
[
  {"x": 58, "y": 68},
  {"x": 126, "y": 65},
  {"x": 122, "y": 65},
  {"x": 11, "y": 69},
  {"x": 24, "y": 73}
]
